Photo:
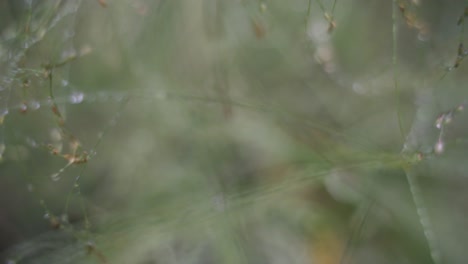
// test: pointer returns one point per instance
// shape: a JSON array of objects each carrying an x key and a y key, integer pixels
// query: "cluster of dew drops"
[{"x": 442, "y": 121}]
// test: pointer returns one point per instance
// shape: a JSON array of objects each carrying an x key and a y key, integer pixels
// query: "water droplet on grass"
[
  {"x": 64, "y": 218},
  {"x": 70, "y": 53},
  {"x": 68, "y": 34},
  {"x": 55, "y": 135},
  {"x": 49, "y": 102},
  {"x": 2, "y": 150},
  {"x": 218, "y": 203},
  {"x": 23, "y": 108},
  {"x": 439, "y": 147},
  {"x": 358, "y": 88},
  {"x": 2, "y": 115},
  {"x": 34, "y": 105},
  {"x": 55, "y": 177},
  {"x": 76, "y": 97},
  {"x": 31, "y": 142},
  {"x": 318, "y": 32},
  {"x": 439, "y": 121},
  {"x": 263, "y": 7},
  {"x": 448, "y": 118},
  {"x": 424, "y": 36}
]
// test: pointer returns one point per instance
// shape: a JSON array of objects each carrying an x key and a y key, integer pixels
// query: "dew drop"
[
  {"x": 55, "y": 135},
  {"x": 41, "y": 33},
  {"x": 64, "y": 218},
  {"x": 317, "y": 32},
  {"x": 2, "y": 150},
  {"x": 68, "y": 34},
  {"x": 263, "y": 7},
  {"x": 7, "y": 80},
  {"x": 424, "y": 36},
  {"x": 49, "y": 102},
  {"x": 90, "y": 245},
  {"x": 358, "y": 88},
  {"x": 448, "y": 118},
  {"x": 31, "y": 142},
  {"x": 34, "y": 105},
  {"x": 439, "y": 121},
  {"x": 2, "y": 115},
  {"x": 439, "y": 147},
  {"x": 218, "y": 203},
  {"x": 76, "y": 97},
  {"x": 70, "y": 53},
  {"x": 65, "y": 83},
  {"x": 55, "y": 177},
  {"x": 30, "y": 187},
  {"x": 86, "y": 49},
  {"x": 46, "y": 216},
  {"x": 23, "y": 108}
]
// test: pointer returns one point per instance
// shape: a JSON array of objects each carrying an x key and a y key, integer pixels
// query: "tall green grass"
[{"x": 215, "y": 131}]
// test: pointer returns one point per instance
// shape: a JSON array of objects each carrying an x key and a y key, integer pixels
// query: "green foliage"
[{"x": 216, "y": 131}]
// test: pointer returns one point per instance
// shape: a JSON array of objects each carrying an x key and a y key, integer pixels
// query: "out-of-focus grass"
[{"x": 230, "y": 132}]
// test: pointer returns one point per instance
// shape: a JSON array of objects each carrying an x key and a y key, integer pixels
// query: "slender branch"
[
  {"x": 395, "y": 69},
  {"x": 423, "y": 215}
]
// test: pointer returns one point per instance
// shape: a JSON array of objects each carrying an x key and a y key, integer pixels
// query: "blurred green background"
[{"x": 218, "y": 131}]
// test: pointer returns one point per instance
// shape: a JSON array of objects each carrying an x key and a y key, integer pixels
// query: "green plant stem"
[
  {"x": 395, "y": 69},
  {"x": 333, "y": 7},
  {"x": 423, "y": 215}
]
